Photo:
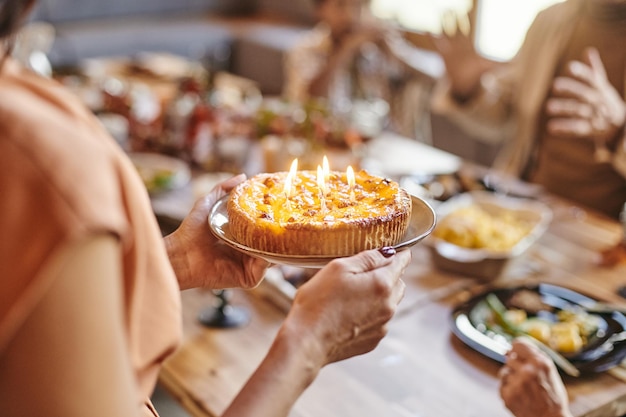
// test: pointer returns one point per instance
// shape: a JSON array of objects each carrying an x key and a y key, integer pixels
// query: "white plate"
[
  {"x": 396, "y": 156},
  {"x": 422, "y": 223},
  {"x": 160, "y": 172}
]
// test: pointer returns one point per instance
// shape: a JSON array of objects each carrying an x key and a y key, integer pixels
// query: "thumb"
[
  {"x": 592, "y": 56},
  {"x": 231, "y": 183},
  {"x": 204, "y": 203}
]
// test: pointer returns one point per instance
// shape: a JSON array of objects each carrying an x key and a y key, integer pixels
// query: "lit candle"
[
  {"x": 325, "y": 168},
  {"x": 351, "y": 182},
  {"x": 322, "y": 186},
  {"x": 289, "y": 180}
]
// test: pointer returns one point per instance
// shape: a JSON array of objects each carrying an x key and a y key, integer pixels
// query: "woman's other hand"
[
  {"x": 343, "y": 310},
  {"x": 339, "y": 313},
  {"x": 201, "y": 260}
]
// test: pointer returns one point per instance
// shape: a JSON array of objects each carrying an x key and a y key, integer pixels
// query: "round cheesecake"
[{"x": 373, "y": 213}]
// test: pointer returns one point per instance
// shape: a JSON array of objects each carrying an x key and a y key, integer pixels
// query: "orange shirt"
[{"x": 62, "y": 179}]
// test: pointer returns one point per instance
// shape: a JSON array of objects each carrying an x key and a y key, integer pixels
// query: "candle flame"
[
  {"x": 325, "y": 168},
  {"x": 320, "y": 180},
  {"x": 290, "y": 178},
  {"x": 350, "y": 177}
]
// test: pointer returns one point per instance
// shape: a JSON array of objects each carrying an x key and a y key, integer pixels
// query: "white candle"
[
  {"x": 289, "y": 180},
  {"x": 351, "y": 182},
  {"x": 325, "y": 168},
  {"x": 321, "y": 184}
]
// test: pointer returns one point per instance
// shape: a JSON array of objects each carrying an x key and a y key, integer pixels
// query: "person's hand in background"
[
  {"x": 530, "y": 384},
  {"x": 585, "y": 104},
  {"x": 464, "y": 66}
]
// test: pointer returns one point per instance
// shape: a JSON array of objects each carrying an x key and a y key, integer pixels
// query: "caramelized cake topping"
[
  {"x": 370, "y": 197},
  {"x": 350, "y": 216}
]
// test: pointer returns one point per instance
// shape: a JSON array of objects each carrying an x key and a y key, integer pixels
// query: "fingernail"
[{"x": 387, "y": 251}]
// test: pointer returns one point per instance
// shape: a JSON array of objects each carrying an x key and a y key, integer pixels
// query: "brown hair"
[
  {"x": 11, "y": 14},
  {"x": 318, "y": 3}
]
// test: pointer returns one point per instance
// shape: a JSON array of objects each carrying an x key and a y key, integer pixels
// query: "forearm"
[
  {"x": 181, "y": 261},
  {"x": 178, "y": 260},
  {"x": 413, "y": 61},
  {"x": 486, "y": 116},
  {"x": 288, "y": 369},
  {"x": 472, "y": 86}
]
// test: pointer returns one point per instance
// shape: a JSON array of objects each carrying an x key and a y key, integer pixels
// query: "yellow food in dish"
[
  {"x": 568, "y": 331},
  {"x": 565, "y": 337},
  {"x": 537, "y": 328},
  {"x": 475, "y": 228}
]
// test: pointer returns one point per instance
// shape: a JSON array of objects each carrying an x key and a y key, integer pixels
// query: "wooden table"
[{"x": 420, "y": 368}]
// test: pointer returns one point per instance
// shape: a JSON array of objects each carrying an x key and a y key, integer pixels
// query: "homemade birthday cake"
[{"x": 295, "y": 214}]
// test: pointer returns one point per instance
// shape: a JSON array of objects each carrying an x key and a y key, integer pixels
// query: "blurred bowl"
[
  {"x": 485, "y": 262},
  {"x": 160, "y": 173}
]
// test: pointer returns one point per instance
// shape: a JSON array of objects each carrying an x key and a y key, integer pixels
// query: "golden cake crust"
[{"x": 374, "y": 213}]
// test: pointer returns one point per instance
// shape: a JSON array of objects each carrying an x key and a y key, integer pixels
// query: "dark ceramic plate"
[{"x": 603, "y": 350}]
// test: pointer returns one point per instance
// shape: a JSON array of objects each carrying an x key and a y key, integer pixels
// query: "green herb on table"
[{"x": 499, "y": 311}]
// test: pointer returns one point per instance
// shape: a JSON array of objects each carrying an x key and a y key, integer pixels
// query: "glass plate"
[
  {"x": 604, "y": 349},
  {"x": 422, "y": 223}
]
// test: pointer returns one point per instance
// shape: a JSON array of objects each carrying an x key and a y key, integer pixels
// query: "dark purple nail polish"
[{"x": 387, "y": 251}]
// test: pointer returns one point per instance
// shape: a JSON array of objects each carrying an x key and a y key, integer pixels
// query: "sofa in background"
[{"x": 254, "y": 33}]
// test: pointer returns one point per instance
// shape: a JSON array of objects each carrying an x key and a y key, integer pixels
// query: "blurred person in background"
[
  {"x": 350, "y": 57},
  {"x": 89, "y": 295},
  {"x": 558, "y": 106}
]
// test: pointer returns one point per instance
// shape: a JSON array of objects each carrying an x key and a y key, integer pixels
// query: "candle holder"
[{"x": 223, "y": 315}]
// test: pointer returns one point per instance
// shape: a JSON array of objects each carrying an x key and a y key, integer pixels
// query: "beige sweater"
[{"x": 509, "y": 104}]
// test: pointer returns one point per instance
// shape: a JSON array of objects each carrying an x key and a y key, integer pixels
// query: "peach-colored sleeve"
[{"x": 62, "y": 178}]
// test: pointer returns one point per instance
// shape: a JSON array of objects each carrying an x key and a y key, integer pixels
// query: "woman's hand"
[
  {"x": 343, "y": 310},
  {"x": 585, "y": 104},
  {"x": 530, "y": 384},
  {"x": 201, "y": 260},
  {"x": 339, "y": 313}
]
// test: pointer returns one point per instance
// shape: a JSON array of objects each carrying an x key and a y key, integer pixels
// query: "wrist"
[
  {"x": 284, "y": 374},
  {"x": 462, "y": 97},
  {"x": 617, "y": 139},
  {"x": 178, "y": 259},
  {"x": 465, "y": 93},
  {"x": 297, "y": 347},
  {"x": 472, "y": 85},
  {"x": 560, "y": 409}
]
